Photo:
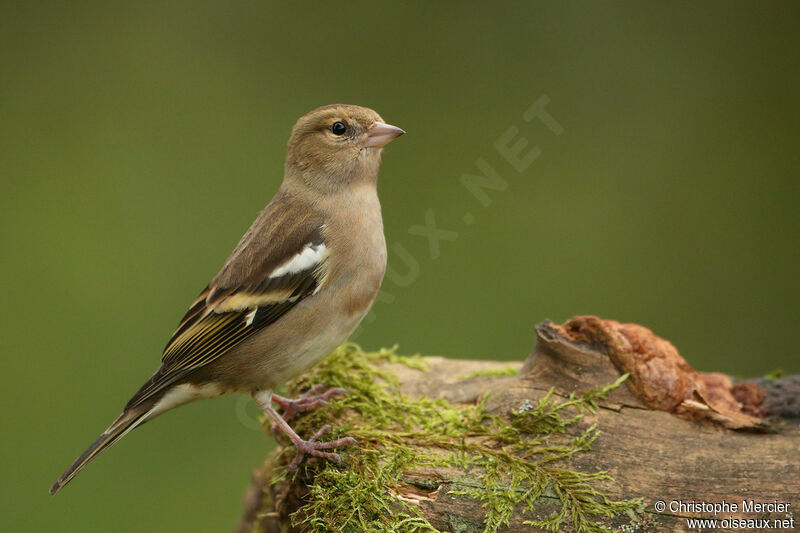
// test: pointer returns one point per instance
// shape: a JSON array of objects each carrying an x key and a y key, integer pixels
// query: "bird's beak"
[{"x": 380, "y": 134}]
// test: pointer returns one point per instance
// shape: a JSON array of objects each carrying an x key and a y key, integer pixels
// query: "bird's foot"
[
  {"x": 312, "y": 399},
  {"x": 315, "y": 448},
  {"x": 305, "y": 447}
]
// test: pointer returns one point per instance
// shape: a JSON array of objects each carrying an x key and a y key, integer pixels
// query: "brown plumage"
[{"x": 294, "y": 288}]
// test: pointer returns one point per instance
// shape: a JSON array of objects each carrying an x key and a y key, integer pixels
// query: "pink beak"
[{"x": 380, "y": 134}]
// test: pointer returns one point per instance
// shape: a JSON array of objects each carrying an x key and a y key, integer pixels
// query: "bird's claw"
[
  {"x": 312, "y": 399},
  {"x": 315, "y": 448}
]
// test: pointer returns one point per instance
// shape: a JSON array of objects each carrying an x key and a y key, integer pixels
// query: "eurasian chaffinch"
[{"x": 295, "y": 287}]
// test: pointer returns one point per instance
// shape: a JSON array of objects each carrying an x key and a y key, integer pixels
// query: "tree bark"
[{"x": 669, "y": 434}]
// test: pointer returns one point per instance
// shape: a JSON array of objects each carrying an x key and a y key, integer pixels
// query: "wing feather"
[{"x": 226, "y": 314}]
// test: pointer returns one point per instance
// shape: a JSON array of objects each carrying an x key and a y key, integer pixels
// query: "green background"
[{"x": 139, "y": 142}]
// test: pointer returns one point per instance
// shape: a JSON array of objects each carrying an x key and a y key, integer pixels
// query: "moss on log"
[{"x": 561, "y": 442}]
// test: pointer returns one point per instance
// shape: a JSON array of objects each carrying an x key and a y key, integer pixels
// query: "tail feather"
[{"x": 118, "y": 429}]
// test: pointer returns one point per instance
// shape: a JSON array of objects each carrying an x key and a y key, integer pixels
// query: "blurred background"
[{"x": 140, "y": 140}]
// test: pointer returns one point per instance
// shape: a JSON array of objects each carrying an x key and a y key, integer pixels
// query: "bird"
[{"x": 294, "y": 288}]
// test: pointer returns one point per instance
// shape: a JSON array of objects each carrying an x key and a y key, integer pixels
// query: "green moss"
[
  {"x": 775, "y": 374},
  {"x": 517, "y": 461},
  {"x": 507, "y": 371}
]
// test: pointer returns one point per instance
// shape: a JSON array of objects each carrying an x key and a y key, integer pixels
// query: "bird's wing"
[{"x": 279, "y": 261}]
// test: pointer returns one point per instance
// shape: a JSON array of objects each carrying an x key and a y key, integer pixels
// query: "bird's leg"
[
  {"x": 312, "y": 399},
  {"x": 310, "y": 446}
]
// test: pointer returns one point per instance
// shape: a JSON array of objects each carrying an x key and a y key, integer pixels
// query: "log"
[{"x": 552, "y": 442}]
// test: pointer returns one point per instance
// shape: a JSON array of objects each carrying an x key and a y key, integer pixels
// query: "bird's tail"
[{"x": 119, "y": 428}]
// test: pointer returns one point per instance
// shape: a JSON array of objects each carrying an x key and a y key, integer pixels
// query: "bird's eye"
[{"x": 338, "y": 128}]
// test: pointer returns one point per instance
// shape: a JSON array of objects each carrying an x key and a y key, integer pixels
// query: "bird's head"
[{"x": 337, "y": 145}]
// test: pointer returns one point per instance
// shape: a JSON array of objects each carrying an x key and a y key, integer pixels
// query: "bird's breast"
[{"x": 358, "y": 257}]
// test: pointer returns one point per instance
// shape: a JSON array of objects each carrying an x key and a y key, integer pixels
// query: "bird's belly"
[{"x": 308, "y": 353}]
